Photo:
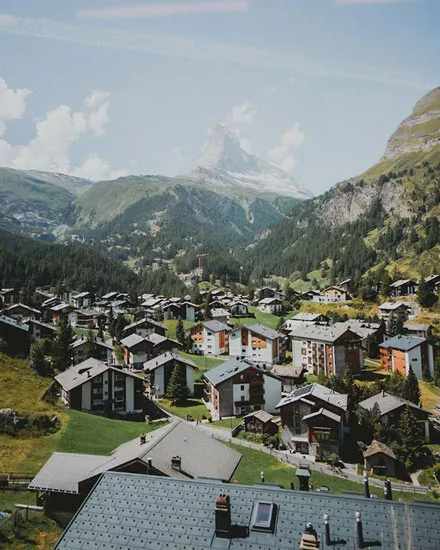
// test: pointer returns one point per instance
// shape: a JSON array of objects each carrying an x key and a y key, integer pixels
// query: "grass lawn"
[
  {"x": 172, "y": 324},
  {"x": 202, "y": 361},
  {"x": 430, "y": 394},
  {"x": 275, "y": 471},
  {"x": 227, "y": 423},
  {"x": 194, "y": 407},
  {"x": 264, "y": 318},
  {"x": 90, "y": 434}
]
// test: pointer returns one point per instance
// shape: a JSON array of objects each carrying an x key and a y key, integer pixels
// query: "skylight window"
[{"x": 263, "y": 517}]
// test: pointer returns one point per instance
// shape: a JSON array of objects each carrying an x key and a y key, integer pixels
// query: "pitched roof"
[
  {"x": 268, "y": 301},
  {"x": 409, "y": 325},
  {"x": 14, "y": 323},
  {"x": 387, "y": 403},
  {"x": 132, "y": 340},
  {"x": 378, "y": 447},
  {"x": 391, "y": 306},
  {"x": 24, "y": 306},
  {"x": 261, "y": 415},
  {"x": 401, "y": 282},
  {"x": 403, "y": 342},
  {"x": 322, "y": 412},
  {"x": 146, "y": 320},
  {"x": 318, "y": 391},
  {"x": 306, "y": 316},
  {"x": 262, "y": 330},
  {"x": 165, "y": 358},
  {"x": 319, "y": 332},
  {"x": 201, "y": 456},
  {"x": 85, "y": 371},
  {"x": 127, "y": 511},
  {"x": 216, "y": 326},
  {"x": 228, "y": 369}
]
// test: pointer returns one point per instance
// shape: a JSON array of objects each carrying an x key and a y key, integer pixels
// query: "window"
[
  {"x": 242, "y": 397},
  {"x": 263, "y": 517},
  {"x": 242, "y": 388}
]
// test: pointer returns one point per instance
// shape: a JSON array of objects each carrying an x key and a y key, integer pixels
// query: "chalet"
[
  {"x": 86, "y": 318},
  {"x": 423, "y": 330},
  {"x": 110, "y": 296},
  {"x": 161, "y": 368},
  {"x": 391, "y": 407},
  {"x": 59, "y": 311},
  {"x": 364, "y": 329},
  {"x": 210, "y": 338},
  {"x": 139, "y": 349},
  {"x": 191, "y": 311},
  {"x": 268, "y": 292},
  {"x": 205, "y": 514},
  {"x": 400, "y": 352},
  {"x": 220, "y": 314},
  {"x": 380, "y": 459},
  {"x": 312, "y": 418},
  {"x": 345, "y": 285},
  {"x": 171, "y": 310},
  {"x": 260, "y": 422},
  {"x": 217, "y": 293},
  {"x": 399, "y": 310},
  {"x": 336, "y": 294},
  {"x": 94, "y": 386},
  {"x": 326, "y": 350},
  {"x": 310, "y": 295},
  {"x": 177, "y": 450},
  {"x": 104, "y": 351},
  {"x": 82, "y": 300},
  {"x": 22, "y": 312},
  {"x": 238, "y": 387},
  {"x": 307, "y": 318},
  {"x": 238, "y": 309},
  {"x": 270, "y": 305},
  {"x": 15, "y": 335},
  {"x": 38, "y": 329},
  {"x": 258, "y": 343},
  {"x": 144, "y": 327},
  {"x": 155, "y": 302},
  {"x": 290, "y": 376},
  {"x": 9, "y": 296},
  {"x": 432, "y": 283},
  {"x": 403, "y": 287}
]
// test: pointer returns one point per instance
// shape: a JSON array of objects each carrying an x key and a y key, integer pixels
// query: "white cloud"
[
  {"x": 281, "y": 155},
  {"x": 96, "y": 168},
  {"x": 55, "y": 134},
  {"x": 12, "y": 104},
  {"x": 243, "y": 114},
  {"x": 245, "y": 144}
]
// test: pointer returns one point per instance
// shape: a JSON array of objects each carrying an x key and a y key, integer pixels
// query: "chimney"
[
  {"x": 149, "y": 466},
  {"x": 387, "y": 490},
  {"x": 223, "y": 515},
  {"x": 359, "y": 531},
  {"x": 366, "y": 485},
  {"x": 327, "y": 530},
  {"x": 176, "y": 463}
]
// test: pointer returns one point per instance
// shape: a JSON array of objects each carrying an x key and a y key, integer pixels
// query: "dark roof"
[
  {"x": 165, "y": 358},
  {"x": 263, "y": 416},
  {"x": 201, "y": 456},
  {"x": 85, "y": 371},
  {"x": 144, "y": 320},
  {"x": 388, "y": 403},
  {"x": 402, "y": 342},
  {"x": 318, "y": 391},
  {"x": 378, "y": 447},
  {"x": 128, "y": 511}
]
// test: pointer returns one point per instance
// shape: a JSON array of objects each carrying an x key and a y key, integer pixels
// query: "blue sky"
[{"x": 101, "y": 88}]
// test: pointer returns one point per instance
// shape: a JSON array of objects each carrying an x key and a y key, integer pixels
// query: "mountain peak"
[
  {"x": 420, "y": 132},
  {"x": 224, "y": 162}
]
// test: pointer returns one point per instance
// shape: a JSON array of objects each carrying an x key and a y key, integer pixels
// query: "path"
[{"x": 294, "y": 460}]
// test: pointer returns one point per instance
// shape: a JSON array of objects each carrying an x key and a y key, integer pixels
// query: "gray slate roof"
[
  {"x": 132, "y": 340},
  {"x": 230, "y": 368},
  {"x": 216, "y": 326},
  {"x": 201, "y": 455},
  {"x": 85, "y": 371},
  {"x": 387, "y": 403},
  {"x": 318, "y": 332},
  {"x": 305, "y": 316},
  {"x": 165, "y": 358},
  {"x": 391, "y": 306},
  {"x": 128, "y": 511},
  {"x": 14, "y": 323},
  {"x": 145, "y": 320},
  {"x": 315, "y": 390},
  {"x": 262, "y": 330},
  {"x": 402, "y": 342}
]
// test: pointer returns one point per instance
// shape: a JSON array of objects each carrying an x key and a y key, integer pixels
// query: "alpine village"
[{"x": 221, "y": 359}]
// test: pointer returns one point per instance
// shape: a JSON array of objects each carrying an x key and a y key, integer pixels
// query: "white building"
[
  {"x": 210, "y": 338},
  {"x": 161, "y": 368},
  {"x": 258, "y": 343}
]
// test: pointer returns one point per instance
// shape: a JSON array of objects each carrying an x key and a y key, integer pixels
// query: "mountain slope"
[
  {"x": 224, "y": 163},
  {"x": 388, "y": 214}
]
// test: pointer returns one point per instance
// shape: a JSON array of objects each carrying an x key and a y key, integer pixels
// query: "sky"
[{"x": 104, "y": 88}]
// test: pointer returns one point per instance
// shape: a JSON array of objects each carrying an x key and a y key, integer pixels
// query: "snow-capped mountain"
[{"x": 225, "y": 163}]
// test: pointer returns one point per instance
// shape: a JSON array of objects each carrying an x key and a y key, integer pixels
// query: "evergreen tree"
[
  {"x": 280, "y": 324},
  {"x": 437, "y": 370},
  {"x": 177, "y": 389},
  {"x": 411, "y": 438},
  {"x": 372, "y": 345},
  {"x": 375, "y": 423},
  {"x": 119, "y": 354},
  {"x": 180, "y": 331},
  {"x": 100, "y": 335},
  {"x": 424, "y": 296},
  {"x": 61, "y": 344},
  {"x": 119, "y": 325},
  {"x": 37, "y": 358},
  {"x": 207, "y": 307},
  {"x": 196, "y": 298},
  {"x": 395, "y": 325},
  {"x": 90, "y": 347},
  {"x": 349, "y": 389},
  {"x": 411, "y": 390}
]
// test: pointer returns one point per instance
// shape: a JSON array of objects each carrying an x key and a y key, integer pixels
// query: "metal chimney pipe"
[
  {"x": 366, "y": 485},
  {"x": 149, "y": 466},
  {"x": 262, "y": 477},
  {"x": 327, "y": 530},
  {"x": 359, "y": 531},
  {"x": 387, "y": 490}
]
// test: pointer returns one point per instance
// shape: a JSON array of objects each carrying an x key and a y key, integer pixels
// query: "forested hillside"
[{"x": 388, "y": 216}]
